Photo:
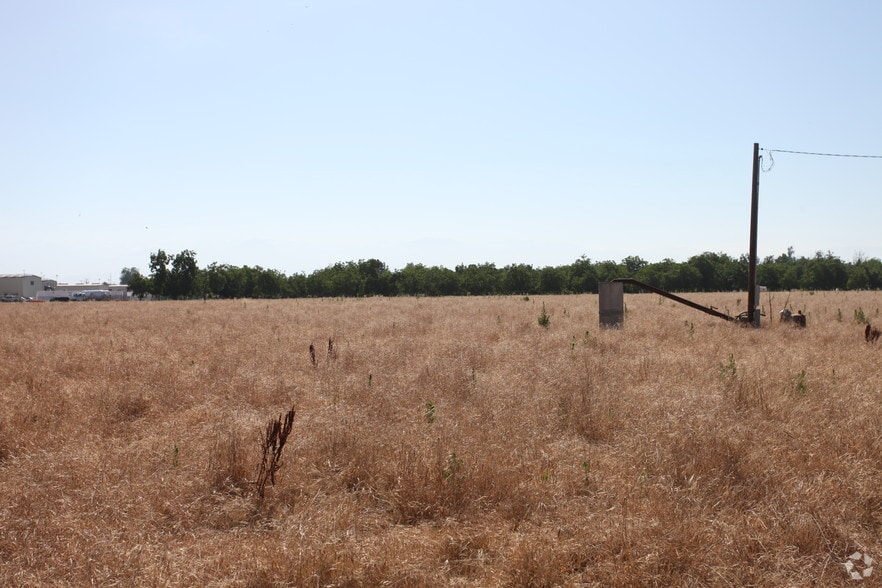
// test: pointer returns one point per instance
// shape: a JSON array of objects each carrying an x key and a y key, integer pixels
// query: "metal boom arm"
[{"x": 676, "y": 298}]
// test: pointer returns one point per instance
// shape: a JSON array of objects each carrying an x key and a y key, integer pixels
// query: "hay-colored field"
[{"x": 444, "y": 442}]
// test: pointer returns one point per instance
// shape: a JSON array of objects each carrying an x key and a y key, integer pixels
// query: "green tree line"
[{"x": 179, "y": 277}]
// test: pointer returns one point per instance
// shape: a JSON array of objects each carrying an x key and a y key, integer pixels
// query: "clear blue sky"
[{"x": 293, "y": 135}]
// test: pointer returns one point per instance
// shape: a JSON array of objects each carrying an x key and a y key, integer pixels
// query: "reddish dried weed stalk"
[{"x": 272, "y": 443}]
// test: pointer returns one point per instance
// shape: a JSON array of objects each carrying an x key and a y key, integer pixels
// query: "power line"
[{"x": 770, "y": 151}]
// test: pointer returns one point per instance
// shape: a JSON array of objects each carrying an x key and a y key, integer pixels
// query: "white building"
[{"x": 20, "y": 285}]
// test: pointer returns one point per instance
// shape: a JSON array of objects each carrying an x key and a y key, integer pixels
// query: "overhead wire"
[
  {"x": 770, "y": 151},
  {"x": 771, "y": 164}
]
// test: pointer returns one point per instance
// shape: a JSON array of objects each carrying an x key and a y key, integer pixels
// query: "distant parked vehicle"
[
  {"x": 92, "y": 295},
  {"x": 78, "y": 296},
  {"x": 98, "y": 295}
]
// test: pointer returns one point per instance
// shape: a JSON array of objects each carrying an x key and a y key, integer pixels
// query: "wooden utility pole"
[{"x": 752, "y": 315}]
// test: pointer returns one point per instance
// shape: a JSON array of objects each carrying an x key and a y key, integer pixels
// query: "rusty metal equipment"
[{"x": 743, "y": 318}]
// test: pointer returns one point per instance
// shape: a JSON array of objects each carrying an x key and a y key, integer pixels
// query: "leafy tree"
[
  {"x": 182, "y": 281},
  {"x": 140, "y": 285},
  {"x": 419, "y": 280},
  {"x": 296, "y": 286},
  {"x": 479, "y": 280},
  {"x": 682, "y": 277},
  {"x": 520, "y": 279},
  {"x": 159, "y": 272},
  {"x": 340, "y": 279},
  {"x": 236, "y": 281},
  {"x": 634, "y": 264},
  {"x": 413, "y": 280},
  {"x": 446, "y": 281},
  {"x": 346, "y": 280},
  {"x": 270, "y": 284},
  {"x": 552, "y": 280},
  {"x": 609, "y": 270},
  {"x": 127, "y": 274},
  {"x": 792, "y": 276},
  {"x": 768, "y": 273},
  {"x": 216, "y": 280},
  {"x": 318, "y": 283},
  {"x": 824, "y": 272},
  {"x": 737, "y": 273},
  {"x": 583, "y": 276},
  {"x": 716, "y": 270},
  {"x": 858, "y": 279},
  {"x": 873, "y": 267},
  {"x": 375, "y": 278},
  {"x": 248, "y": 279}
]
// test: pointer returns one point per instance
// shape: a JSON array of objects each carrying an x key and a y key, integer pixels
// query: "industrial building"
[
  {"x": 25, "y": 286},
  {"x": 20, "y": 285}
]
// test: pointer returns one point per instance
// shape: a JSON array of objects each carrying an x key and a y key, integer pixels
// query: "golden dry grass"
[{"x": 443, "y": 442}]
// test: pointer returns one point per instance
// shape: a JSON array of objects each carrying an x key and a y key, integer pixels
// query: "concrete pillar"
[{"x": 612, "y": 304}]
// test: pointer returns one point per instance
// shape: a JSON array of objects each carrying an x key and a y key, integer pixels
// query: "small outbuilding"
[{"x": 21, "y": 285}]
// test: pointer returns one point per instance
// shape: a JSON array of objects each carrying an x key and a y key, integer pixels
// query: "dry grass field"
[{"x": 440, "y": 442}]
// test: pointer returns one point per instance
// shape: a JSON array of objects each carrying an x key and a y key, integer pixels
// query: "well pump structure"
[{"x": 752, "y": 315}]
